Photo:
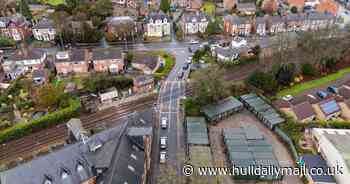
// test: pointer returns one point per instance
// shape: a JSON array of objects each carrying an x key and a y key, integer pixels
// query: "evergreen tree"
[
  {"x": 24, "y": 9},
  {"x": 165, "y": 5}
]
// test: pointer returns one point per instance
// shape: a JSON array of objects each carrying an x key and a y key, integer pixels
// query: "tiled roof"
[
  {"x": 303, "y": 110},
  {"x": 329, "y": 6},
  {"x": 233, "y": 19},
  {"x": 246, "y": 7},
  {"x": 143, "y": 79},
  {"x": 297, "y": 3},
  {"x": 44, "y": 24},
  {"x": 280, "y": 103},
  {"x": 151, "y": 61},
  {"x": 196, "y": 17},
  {"x": 156, "y": 16},
  {"x": 26, "y": 54},
  {"x": 108, "y": 53}
]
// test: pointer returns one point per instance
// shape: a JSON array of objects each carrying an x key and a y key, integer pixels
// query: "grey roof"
[
  {"x": 260, "y": 20},
  {"x": 197, "y": 132},
  {"x": 108, "y": 53},
  {"x": 304, "y": 110},
  {"x": 150, "y": 60},
  {"x": 116, "y": 21},
  {"x": 39, "y": 74},
  {"x": 26, "y": 54},
  {"x": 246, "y": 7},
  {"x": 74, "y": 55},
  {"x": 44, "y": 24},
  {"x": 114, "y": 154},
  {"x": 156, "y": 16},
  {"x": 227, "y": 52},
  {"x": 316, "y": 161},
  {"x": 143, "y": 79},
  {"x": 276, "y": 19},
  {"x": 227, "y": 104},
  {"x": 196, "y": 17},
  {"x": 320, "y": 16},
  {"x": 295, "y": 17},
  {"x": 234, "y": 19}
]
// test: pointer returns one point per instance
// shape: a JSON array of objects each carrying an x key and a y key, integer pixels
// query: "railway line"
[{"x": 27, "y": 146}]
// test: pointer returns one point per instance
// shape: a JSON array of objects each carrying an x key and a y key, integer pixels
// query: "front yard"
[
  {"x": 169, "y": 62},
  {"x": 299, "y": 88}
]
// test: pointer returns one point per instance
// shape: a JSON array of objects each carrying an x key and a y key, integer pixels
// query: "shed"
[{"x": 197, "y": 133}]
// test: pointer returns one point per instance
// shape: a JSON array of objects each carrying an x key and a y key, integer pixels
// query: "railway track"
[{"x": 29, "y": 144}]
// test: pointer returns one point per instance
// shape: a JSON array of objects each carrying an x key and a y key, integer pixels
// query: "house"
[
  {"x": 304, "y": 112},
  {"x": 329, "y": 109},
  {"x": 237, "y": 26},
  {"x": 275, "y": 24},
  {"x": 246, "y": 8},
  {"x": 147, "y": 63},
  {"x": 327, "y": 6},
  {"x": 15, "y": 27},
  {"x": 122, "y": 27},
  {"x": 295, "y": 22},
  {"x": 297, "y": 3},
  {"x": 226, "y": 54},
  {"x": 143, "y": 84},
  {"x": 193, "y": 23},
  {"x": 44, "y": 30},
  {"x": 316, "y": 21},
  {"x": 316, "y": 161},
  {"x": 194, "y": 5},
  {"x": 260, "y": 26},
  {"x": 73, "y": 61},
  {"x": 40, "y": 76},
  {"x": 126, "y": 146},
  {"x": 238, "y": 42},
  {"x": 107, "y": 60},
  {"x": 158, "y": 25},
  {"x": 334, "y": 147},
  {"x": 26, "y": 59}
]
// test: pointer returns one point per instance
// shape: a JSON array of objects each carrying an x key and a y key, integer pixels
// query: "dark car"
[
  {"x": 322, "y": 94},
  {"x": 189, "y": 49},
  {"x": 332, "y": 89},
  {"x": 181, "y": 75},
  {"x": 185, "y": 67}
]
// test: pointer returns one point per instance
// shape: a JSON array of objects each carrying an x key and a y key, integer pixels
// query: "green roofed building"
[
  {"x": 264, "y": 111},
  {"x": 222, "y": 109},
  {"x": 197, "y": 132},
  {"x": 247, "y": 147}
]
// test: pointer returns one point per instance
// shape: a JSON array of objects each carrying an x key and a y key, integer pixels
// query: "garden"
[{"x": 169, "y": 62}]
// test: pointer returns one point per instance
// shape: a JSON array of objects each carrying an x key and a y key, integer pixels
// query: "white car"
[
  {"x": 162, "y": 158},
  {"x": 288, "y": 98},
  {"x": 163, "y": 142},
  {"x": 164, "y": 122},
  {"x": 194, "y": 42}
]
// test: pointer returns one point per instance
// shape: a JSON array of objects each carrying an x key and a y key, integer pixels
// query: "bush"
[
  {"x": 192, "y": 108},
  {"x": 263, "y": 81},
  {"x": 6, "y": 42},
  {"x": 24, "y": 128},
  {"x": 98, "y": 82},
  {"x": 308, "y": 69},
  {"x": 165, "y": 70}
]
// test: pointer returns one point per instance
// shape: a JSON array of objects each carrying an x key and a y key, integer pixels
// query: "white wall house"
[
  {"x": 158, "y": 25},
  {"x": 44, "y": 30},
  {"x": 333, "y": 144},
  {"x": 194, "y": 23}
]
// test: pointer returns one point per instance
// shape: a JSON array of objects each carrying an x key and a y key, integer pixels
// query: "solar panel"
[{"x": 330, "y": 107}]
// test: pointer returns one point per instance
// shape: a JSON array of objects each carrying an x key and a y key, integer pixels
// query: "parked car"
[
  {"x": 164, "y": 122},
  {"x": 322, "y": 94},
  {"x": 163, "y": 142},
  {"x": 332, "y": 89},
  {"x": 162, "y": 158},
  {"x": 288, "y": 98},
  {"x": 189, "y": 49},
  {"x": 181, "y": 75},
  {"x": 185, "y": 67},
  {"x": 194, "y": 42}
]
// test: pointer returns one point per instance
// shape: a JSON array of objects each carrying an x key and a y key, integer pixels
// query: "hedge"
[{"x": 25, "y": 128}]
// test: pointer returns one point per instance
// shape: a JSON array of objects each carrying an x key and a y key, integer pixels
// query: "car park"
[
  {"x": 164, "y": 123},
  {"x": 322, "y": 94},
  {"x": 163, "y": 142},
  {"x": 162, "y": 157},
  {"x": 332, "y": 89}
]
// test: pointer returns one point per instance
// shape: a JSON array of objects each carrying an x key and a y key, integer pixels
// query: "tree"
[
  {"x": 308, "y": 69},
  {"x": 179, "y": 33},
  {"x": 212, "y": 28},
  {"x": 285, "y": 74},
  {"x": 6, "y": 42},
  {"x": 87, "y": 34},
  {"x": 24, "y": 9},
  {"x": 102, "y": 8},
  {"x": 60, "y": 21},
  {"x": 209, "y": 84},
  {"x": 165, "y": 5},
  {"x": 294, "y": 9},
  {"x": 49, "y": 96},
  {"x": 264, "y": 81}
]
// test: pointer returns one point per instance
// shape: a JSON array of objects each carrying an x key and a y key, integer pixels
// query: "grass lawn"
[
  {"x": 169, "y": 64},
  {"x": 53, "y": 2},
  {"x": 299, "y": 88},
  {"x": 209, "y": 8}
]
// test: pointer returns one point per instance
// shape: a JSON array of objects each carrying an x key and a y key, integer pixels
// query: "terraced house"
[
  {"x": 237, "y": 26},
  {"x": 107, "y": 60},
  {"x": 74, "y": 61},
  {"x": 44, "y": 30},
  {"x": 194, "y": 23}
]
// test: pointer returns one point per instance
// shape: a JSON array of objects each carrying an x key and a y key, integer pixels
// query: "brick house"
[
  {"x": 44, "y": 30},
  {"x": 15, "y": 27},
  {"x": 24, "y": 60},
  {"x": 145, "y": 62},
  {"x": 193, "y": 23},
  {"x": 143, "y": 84},
  {"x": 73, "y": 61},
  {"x": 107, "y": 60},
  {"x": 317, "y": 21},
  {"x": 237, "y": 26}
]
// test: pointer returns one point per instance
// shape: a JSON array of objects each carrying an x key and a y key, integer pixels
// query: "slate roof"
[
  {"x": 221, "y": 106},
  {"x": 74, "y": 55},
  {"x": 151, "y": 61},
  {"x": 344, "y": 91},
  {"x": 246, "y": 7},
  {"x": 233, "y": 19},
  {"x": 108, "y": 53},
  {"x": 143, "y": 79},
  {"x": 156, "y": 16},
  {"x": 196, "y": 17},
  {"x": 116, "y": 21},
  {"x": 39, "y": 74},
  {"x": 28, "y": 54},
  {"x": 316, "y": 161},
  {"x": 280, "y": 103},
  {"x": 44, "y": 24},
  {"x": 303, "y": 110},
  {"x": 320, "y": 16},
  {"x": 227, "y": 52}
]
